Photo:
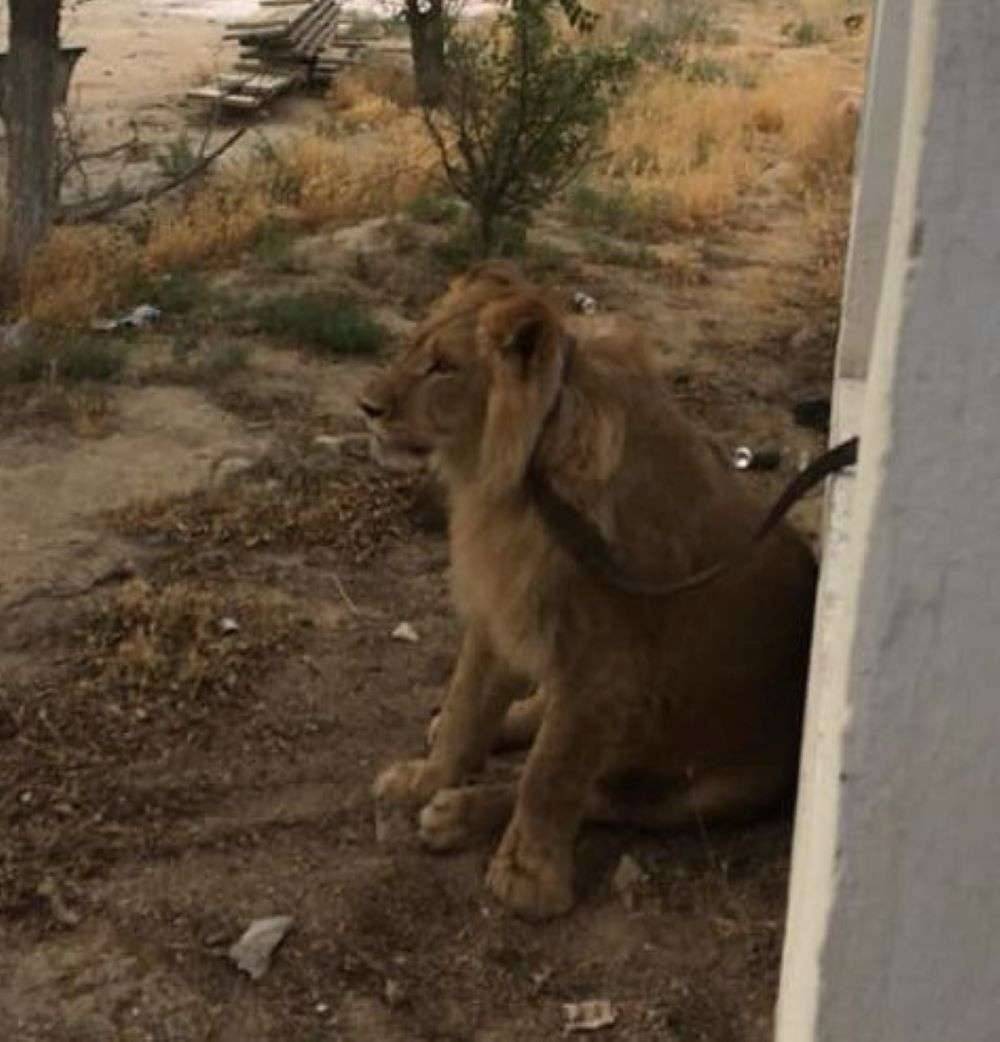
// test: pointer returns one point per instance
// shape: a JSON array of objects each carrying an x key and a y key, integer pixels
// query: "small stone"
[
  {"x": 395, "y": 993},
  {"x": 802, "y": 339},
  {"x": 19, "y": 335},
  {"x": 405, "y": 632},
  {"x": 591, "y": 1015},
  {"x": 228, "y": 625},
  {"x": 252, "y": 952},
  {"x": 336, "y": 443},
  {"x": 62, "y": 914},
  {"x": 229, "y": 468},
  {"x": 627, "y": 879}
]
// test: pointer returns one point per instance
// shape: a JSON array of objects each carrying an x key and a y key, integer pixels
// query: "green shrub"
[
  {"x": 272, "y": 247},
  {"x": 434, "y": 209},
  {"x": 804, "y": 33},
  {"x": 522, "y": 115},
  {"x": 329, "y": 327},
  {"x": 616, "y": 211}
]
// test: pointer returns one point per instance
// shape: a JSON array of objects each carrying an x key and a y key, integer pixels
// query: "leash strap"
[{"x": 585, "y": 543}]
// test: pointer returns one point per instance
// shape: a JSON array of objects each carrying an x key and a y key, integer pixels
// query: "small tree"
[{"x": 521, "y": 114}]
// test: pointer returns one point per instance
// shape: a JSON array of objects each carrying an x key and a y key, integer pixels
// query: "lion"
[{"x": 652, "y": 711}]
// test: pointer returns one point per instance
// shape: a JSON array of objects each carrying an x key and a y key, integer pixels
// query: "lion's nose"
[{"x": 370, "y": 409}]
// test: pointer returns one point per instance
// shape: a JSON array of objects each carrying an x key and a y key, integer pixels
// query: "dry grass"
[
  {"x": 215, "y": 225},
  {"x": 167, "y": 642},
  {"x": 311, "y": 180},
  {"x": 86, "y": 410},
  {"x": 80, "y": 273},
  {"x": 683, "y": 151},
  {"x": 349, "y": 180},
  {"x": 372, "y": 94}
]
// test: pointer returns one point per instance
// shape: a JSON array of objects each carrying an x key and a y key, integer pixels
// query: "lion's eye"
[{"x": 439, "y": 365}]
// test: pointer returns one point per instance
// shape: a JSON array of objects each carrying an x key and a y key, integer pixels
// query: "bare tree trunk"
[
  {"x": 27, "y": 105},
  {"x": 427, "y": 32}
]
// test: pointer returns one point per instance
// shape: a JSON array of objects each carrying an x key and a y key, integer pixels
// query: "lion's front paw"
[
  {"x": 409, "y": 783},
  {"x": 529, "y": 881},
  {"x": 445, "y": 822}
]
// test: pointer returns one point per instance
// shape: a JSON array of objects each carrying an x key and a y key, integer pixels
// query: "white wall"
[{"x": 894, "y": 919}]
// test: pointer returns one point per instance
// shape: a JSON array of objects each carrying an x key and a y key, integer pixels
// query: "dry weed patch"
[
  {"x": 78, "y": 274},
  {"x": 372, "y": 95},
  {"x": 215, "y": 225},
  {"x": 307, "y": 499},
  {"x": 86, "y": 410},
  {"x": 681, "y": 151},
  {"x": 184, "y": 644}
]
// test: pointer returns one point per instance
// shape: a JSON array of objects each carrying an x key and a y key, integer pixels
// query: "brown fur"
[{"x": 656, "y": 711}]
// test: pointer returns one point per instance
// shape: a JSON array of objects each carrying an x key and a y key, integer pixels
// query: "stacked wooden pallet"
[{"x": 293, "y": 44}]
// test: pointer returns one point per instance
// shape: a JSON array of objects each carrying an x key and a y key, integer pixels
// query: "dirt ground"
[{"x": 198, "y": 683}]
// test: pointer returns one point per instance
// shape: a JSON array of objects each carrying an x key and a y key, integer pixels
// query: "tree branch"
[{"x": 100, "y": 209}]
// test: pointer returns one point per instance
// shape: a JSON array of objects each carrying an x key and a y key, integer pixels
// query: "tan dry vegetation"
[
  {"x": 373, "y": 93},
  {"x": 214, "y": 226},
  {"x": 313, "y": 179},
  {"x": 79, "y": 273},
  {"x": 170, "y": 635},
  {"x": 684, "y": 151}
]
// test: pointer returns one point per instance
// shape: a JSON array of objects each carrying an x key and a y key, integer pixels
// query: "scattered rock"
[
  {"x": 591, "y": 1015},
  {"x": 252, "y": 952},
  {"x": 395, "y": 993},
  {"x": 229, "y": 468},
  {"x": 336, "y": 443},
  {"x": 19, "y": 335},
  {"x": 802, "y": 339},
  {"x": 228, "y": 625},
  {"x": 404, "y": 631},
  {"x": 62, "y": 914},
  {"x": 628, "y": 879},
  {"x": 584, "y": 303}
]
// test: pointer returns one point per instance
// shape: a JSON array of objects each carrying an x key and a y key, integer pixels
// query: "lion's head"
[{"x": 477, "y": 382}]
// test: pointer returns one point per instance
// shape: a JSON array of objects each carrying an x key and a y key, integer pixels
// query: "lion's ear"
[
  {"x": 521, "y": 339},
  {"x": 526, "y": 340},
  {"x": 522, "y": 330}
]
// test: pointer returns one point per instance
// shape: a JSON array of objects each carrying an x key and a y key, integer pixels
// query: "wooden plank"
[
  {"x": 270, "y": 23},
  {"x": 256, "y": 34},
  {"x": 319, "y": 34},
  {"x": 227, "y": 98},
  {"x": 324, "y": 13},
  {"x": 265, "y": 83}
]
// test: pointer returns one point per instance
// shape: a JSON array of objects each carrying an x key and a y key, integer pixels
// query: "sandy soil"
[{"x": 141, "y": 57}]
